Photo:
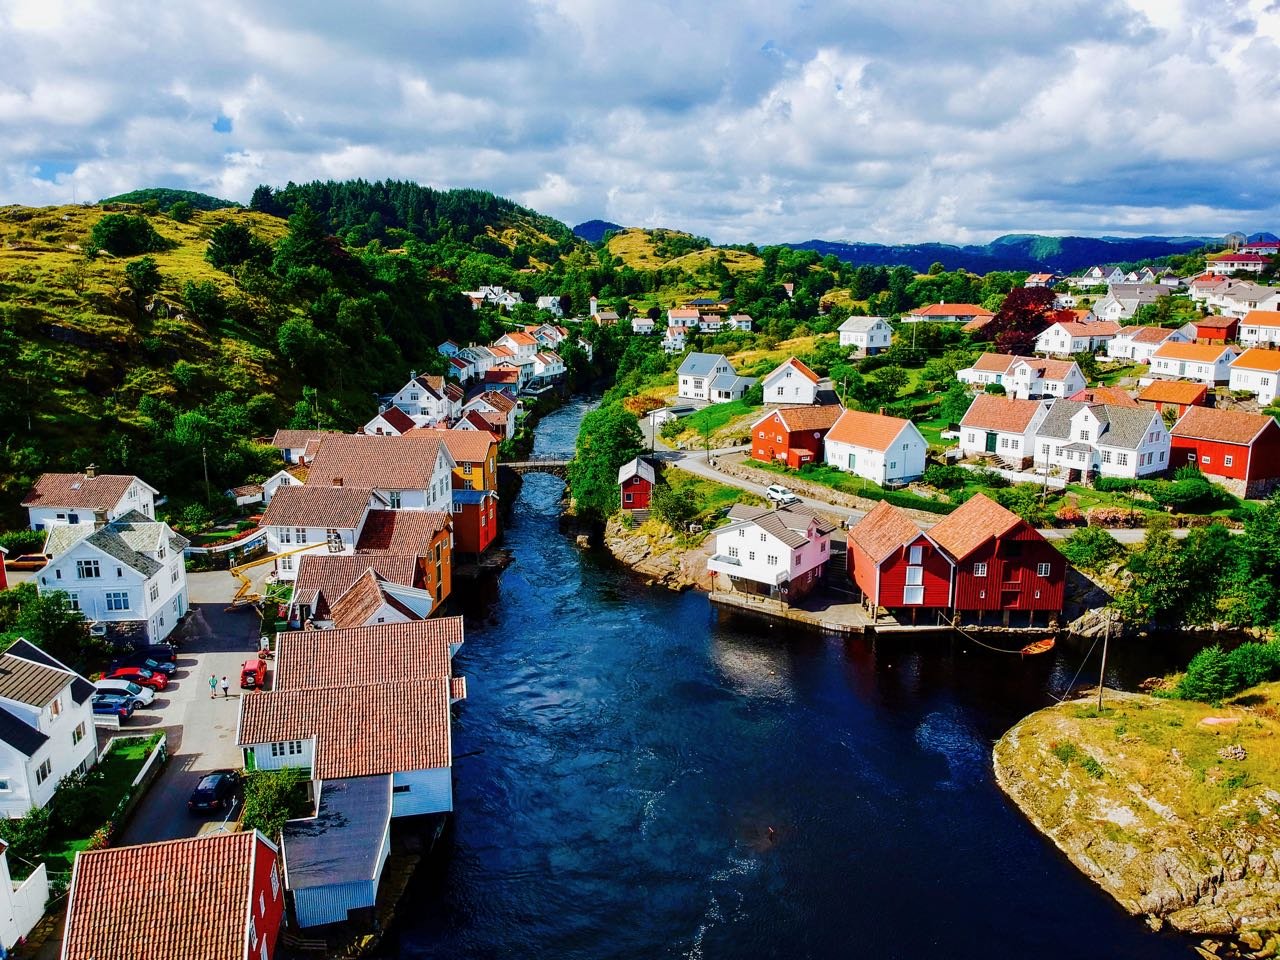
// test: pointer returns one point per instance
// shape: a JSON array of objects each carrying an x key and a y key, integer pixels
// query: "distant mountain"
[
  {"x": 167, "y": 198},
  {"x": 593, "y": 231},
  {"x": 1011, "y": 252}
]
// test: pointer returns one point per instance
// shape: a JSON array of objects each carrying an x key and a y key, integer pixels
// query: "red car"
[
  {"x": 141, "y": 676},
  {"x": 253, "y": 674}
]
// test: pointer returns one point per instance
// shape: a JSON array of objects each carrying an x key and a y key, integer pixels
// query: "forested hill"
[
  {"x": 166, "y": 198},
  {"x": 1031, "y": 252}
]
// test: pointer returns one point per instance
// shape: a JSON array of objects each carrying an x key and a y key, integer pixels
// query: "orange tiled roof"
[
  {"x": 1195, "y": 352},
  {"x": 466, "y": 446},
  {"x": 359, "y": 730},
  {"x": 883, "y": 530},
  {"x": 101, "y": 492},
  {"x": 416, "y": 650},
  {"x": 1173, "y": 391},
  {"x": 362, "y": 600},
  {"x": 1262, "y": 318},
  {"x": 875, "y": 431},
  {"x": 406, "y": 533},
  {"x": 952, "y": 310},
  {"x": 397, "y": 419},
  {"x": 297, "y": 439},
  {"x": 1258, "y": 358},
  {"x": 332, "y": 575},
  {"x": 995, "y": 362},
  {"x": 971, "y": 525},
  {"x": 802, "y": 369},
  {"x": 1000, "y": 413},
  {"x": 1227, "y": 426},
  {"x": 386, "y": 463},
  {"x": 1111, "y": 396},
  {"x": 1215, "y": 323},
  {"x": 1049, "y": 369},
  {"x": 173, "y": 900},
  {"x": 819, "y": 416},
  {"x": 315, "y": 506}
]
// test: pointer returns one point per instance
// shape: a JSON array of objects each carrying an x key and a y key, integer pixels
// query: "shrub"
[
  {"x": 1115, "y": 485},
  {"x": 28, "y": 835},
  {"x": 945, "y": 477},
  {"x": 18, "y": 542},
  {"x": 100, "y": 839},
  {"x": 996, "y": 389},
  {"x": 269, "y": 800},
  {"x": 1069, "y": 515},
  {"x": 205, "y": 301},
  {"x": 1091, "y": 548},
  {"x": 1114, "y": 517},
  {"x": 672, "y": 507},
  {"x": 1208, "y": 677},
  {"x": 1253, "y": 663},
  {"x": 991, "y": 479},
  {"x": 126, "y": 236}
]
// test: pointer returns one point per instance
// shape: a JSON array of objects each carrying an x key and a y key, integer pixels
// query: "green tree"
[
  {"x": 305, "y": 245},
  {"x": 1158, "y": 585},
  {"x": 1092, "y": 549},
  {"x": 233, "y": 244},
  {"x": 205, "y": 301},
  {"x": 1208, "y": 677},
  {"x": 269, "y": 799},
  {"x": 48, "y": 621},
  {"x": 936, "y": 268},
  {"x": 181, "y": 211},
  {"x": 608, "y": 438},
  {"x": 955, "y": 402},
  {"x": 125, "y": 235},
  {"x": 143, "y": 277},
  {"x": 672, "y": 507},
  {"x": 1252, "y": 588}
]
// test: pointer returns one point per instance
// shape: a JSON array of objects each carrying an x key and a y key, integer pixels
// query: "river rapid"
[{"x": 639, "y": 776}]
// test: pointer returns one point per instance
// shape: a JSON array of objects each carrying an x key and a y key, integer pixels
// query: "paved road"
[{"x": 201, "y": 730}]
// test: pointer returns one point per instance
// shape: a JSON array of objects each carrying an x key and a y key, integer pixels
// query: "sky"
[{"x": 742, "y": 120}]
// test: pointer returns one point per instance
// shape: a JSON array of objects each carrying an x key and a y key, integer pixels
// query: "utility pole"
[
  {"x": 204, "y": 457},
  {"x": 1102, "y": 676}
]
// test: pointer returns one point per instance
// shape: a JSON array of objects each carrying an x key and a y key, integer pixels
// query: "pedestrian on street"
[
  {"x": 213, "y": 686},
  {"x": 225, "y": 686}
]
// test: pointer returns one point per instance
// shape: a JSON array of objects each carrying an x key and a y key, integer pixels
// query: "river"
[{"x": 624, "y": 752}]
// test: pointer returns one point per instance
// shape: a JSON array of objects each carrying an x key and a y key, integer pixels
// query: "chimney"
[
  {"x": 91, "y": 471},
  {"x": 882, "y": 411},
  {"x": 337, "y": 481},
  {"x": 99, "y": 519}
]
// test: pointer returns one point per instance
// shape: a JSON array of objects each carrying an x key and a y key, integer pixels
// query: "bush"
[
  {"x": 671, "y": 507},
  {"x": 126, "y": 236},
  {"x": 1115, "y": 517},
  {"x": 1208, "y": 677},
  {"x": 269, "y": 800},
  {"x": 28, "y": 836},
  {"x": 1092, "y": 548},
  {"x": 991, "y": 479},
  {"x": 945, "y": 477},
  {"x": 18, "y": 542},
  {"x": 1115, "y": 485},
  {"x": 1253, "y": 663},
  {"x": 205, "y": 301},
  {"x": 995, "y": 389}
]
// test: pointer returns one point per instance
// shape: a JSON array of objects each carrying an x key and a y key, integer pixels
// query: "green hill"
[{"x": 166, "y": 198}]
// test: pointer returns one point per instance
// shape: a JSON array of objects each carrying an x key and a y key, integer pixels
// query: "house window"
[
  {"x": 1228, "y": 460},
  {"x": 751, "y": 554},
  {"x": 457, "y": 508},
  {"x": 88, "y": 569},
  {"x": 155, "y": 591},
  {"x": 915, "y": 556},
  {"x": 780, "y": 391},
  {"x": 979, "y": 569},
  {"x": 912, "y": 595},
  {"x": 275, "y": 884},
  {"x": 466, "y": 469},
  {"x": 77, "y": 734},
  {"x": 393, "y": 499},
  {"x": 173, "y": 574},
  {"x": 763, "y": 538},
  {"x": 286, "y": 563},
  {"x": 1191, "y": 458},
  {"x": 55, "y": 708},
  {"x": 73, "y": 601},
  {"x": 733, "y": 552},
  {"x": 1106, "y": 456},
  {"x": 742, "y": 532},
  {"x": 1162, "y": 456},
  {"x": 1205, "y": 458},
  {"x": 4, "y": 786},
  {"x": 300, "y": 534},
  {"x": 43, "y": 771},
  {"x": 285, "y": 535},
  {"x": 1042, "y": 569},
  {"x": 893, "y": 464},
  {"x": 760, "y": 434},
  {"x": 288, "y": 748},
  {"x": 1122, "y": 459},
  {"x": 915, "y": 576},
  {"x": 1004, "y": 443},
  {"x": 771, "y": 559},
  {"x": 1084, "y": 434},
  {"x": 117, "y": 600},
  {"x": 262, "y": 904}
]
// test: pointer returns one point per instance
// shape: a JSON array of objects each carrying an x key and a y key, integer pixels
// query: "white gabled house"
[
  {"x": 1124, "y": 299},
  {"x": 697, "y": 373},
  {"x": 1033, "y": 378},
  {"x": 520, "y": 343},
  {"x": 1002, "y": 427},
  {"x": 1257, "y": 371},
  {"x": 1260, "y": 328},
  {"x": 740, "y": 321},
  {"x": 1081, "y": 440},
  {"x": 424, "y": 399},
  {"x": 311, "y": 519},
  {"x": 1138, "y": 343},
  {"x": 1064, "y": 338},
  {"x": 866, "y": 335},
  {"x": 61, "y": 498},
  {"x": 127, "y": 575},
  {"x": 46, "y": 727},
  {"x": 673, "y": 341},
  {"x": 989, "y": 368},
  {"x": 792, "y": 382},
  {"x": 778, "y": 553},
  {"x": 390, "y": 422},
  {"x": 642, "y": 324},
  {"x": 550, "y": 304},
  {"x": 885, "y": 450},
  {"x": 1208, "y": 363}
]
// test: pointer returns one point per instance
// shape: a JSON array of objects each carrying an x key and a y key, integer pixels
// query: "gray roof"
[
  {"x": 341, "y": 843},
  {"x": 1125, "y": 426},
  {"x": 127, "y": 539},
  {"x": 701, "y": 364},
  {"x": 1138, "y": 292},
  {"x": 81, "y": 689},
  {"x": 859, "y": 324},
  {"x": 29, "y": 682},
  {"x": 637, "y": 467},
  {"x": 729, "y": 381},
  {"x": 23, "y": 737},
  {"x": 788, "y": 524}
]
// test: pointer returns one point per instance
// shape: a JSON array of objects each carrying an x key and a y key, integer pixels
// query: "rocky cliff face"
[
  {"x": 1173, "y": 808},
  {"x": 654, "y": 550}
]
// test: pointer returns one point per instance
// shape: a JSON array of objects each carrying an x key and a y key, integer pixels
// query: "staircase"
[{"x": 639, "y": 516}]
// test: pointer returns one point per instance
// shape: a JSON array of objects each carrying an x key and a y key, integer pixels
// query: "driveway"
[{"x": 201, "y": 730}]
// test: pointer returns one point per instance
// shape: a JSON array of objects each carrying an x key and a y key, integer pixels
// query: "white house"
[
  {"x": 683, "y": 317},
  {"x": 298, "y": 446},
  {"x": 1229, "y": 263},
  {"x": 390, "y": 422},
  {"x": 1138, "y": 343},
  {"x": 46, "y": 727},
  {"x": 866, "y": 335},
  {"x": 642, "y": 324},
  {"x": 987, "y": 369},
  {"x": 547, "y": 366},
  {"x": 740, "y": 321},
  {"x": 552, "y": 305},
  {"x": 1205, "y": 362},
  {"x": 481, "y": 359},
  {"x": 1034, "y": 378},
  {"x": 263, "y": 492},
  {"x": 1236, "y": 298},
  {"x": 127, "y": 575},
  {"x": 1002, "y": 426},
  {"x": 1067, "y": 337},
  {"x": 698, "y": 371},
  {"x": 778, "y": 553},
  {"x": 520, "y": 343},
  {"x": 1123, "y": 300},
  {"x": 407, "y": 473},
  {"x": 21, "y": 904},
  {"x": 1039, "y": 280},
  {"x": 1078, "y": 440},
  {"x": 792, "y": 382},
  {"x": 313, "y": 519},
  {"x": 423, "y": 398},
  {"x": 1257, "y": 371},
  {"x": 79, "y": 497},
  {"x": 494, "y": 296},
  {"x": 674, "y": 339},
  {"x": 1260, "y": 328},
  {"x": 884, "y": 450}
]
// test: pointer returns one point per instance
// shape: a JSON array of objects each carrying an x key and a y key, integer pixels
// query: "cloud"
[{"x": 747, "y": 120}]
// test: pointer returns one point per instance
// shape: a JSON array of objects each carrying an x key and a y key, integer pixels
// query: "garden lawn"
[
  {"x": 709, "y": 496},
  {"x": 712, "y": 418}
]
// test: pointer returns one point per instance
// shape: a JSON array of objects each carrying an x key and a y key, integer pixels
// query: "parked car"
[
  {"x": 142, "y": 660},
  {"x": 215, "y": 792},
  {"x": 780, "y": 494},
  {"x": 253, "y": 674},
  {"x": 141, "y": 676},
  {"x": 144, "y": 695},
  {"x": 108, "y": 704},
  {"x": 164, "y": 652},
  {"x": 28, "y": 561}
]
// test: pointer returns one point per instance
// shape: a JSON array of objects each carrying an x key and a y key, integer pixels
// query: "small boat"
[{"x": 1040, "y": 646}]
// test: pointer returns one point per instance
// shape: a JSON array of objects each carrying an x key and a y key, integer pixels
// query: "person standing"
[
  {"x": 225, "y": 687},
  {"x": 213, "y": 686}
]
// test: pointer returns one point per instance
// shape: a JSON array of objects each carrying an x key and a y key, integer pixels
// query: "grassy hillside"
[{"x": 165, "y": 198}]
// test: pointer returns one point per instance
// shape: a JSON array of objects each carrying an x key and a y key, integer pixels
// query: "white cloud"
[{"x": 747, "y": 120}]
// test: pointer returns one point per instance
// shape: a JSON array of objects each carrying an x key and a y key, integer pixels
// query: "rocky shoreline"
[
  {"x": 1171, "y": 807},
  {"x": 653, "y": 550}
]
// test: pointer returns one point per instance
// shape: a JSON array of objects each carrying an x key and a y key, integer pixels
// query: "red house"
[
  {"x": 793, "y": 435},
  {"x": 218, "y": 897},
  {"x": 635, "y": 484},
  {"x": 1216, "y": 329},
  {"x": 1002, "y": 563},
  {"x": 895, "y": 565},
  {"x": 1239, "y": 450}
]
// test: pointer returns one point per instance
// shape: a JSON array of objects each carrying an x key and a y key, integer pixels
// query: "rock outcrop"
[
  {"x": 654, "y": 550},
  {"x": 1171, "y": 807}
]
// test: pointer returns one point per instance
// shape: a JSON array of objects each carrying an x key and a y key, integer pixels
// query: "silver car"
[{"x": 144, "y": 695}]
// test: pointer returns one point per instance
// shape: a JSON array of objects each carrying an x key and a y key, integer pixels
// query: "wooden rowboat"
[{"x": 1040, "y": 646}]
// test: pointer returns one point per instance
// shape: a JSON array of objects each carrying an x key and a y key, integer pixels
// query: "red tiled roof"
[
  {"x": 1240, "y": 258},
  {"x": 1226, "y": 426},
  {"x": 363, "y": 599},
  {"x": 404, "y": 533},
  {"x": 1173, "y": 391},
  {"x": 971, "y": 525},
  {"x": 465, "y": 446},
  {"x": 332, "y": 575},
  {"x": 397, "y": 419},
  {"x": 317, "y": 506},
  {"x": 1005, "y": 414},
  {"x": 1096, "y": 328},
  {"x": 977, "y": 323},
  {"x": 297, "y": 439},
  {"x": 995, "y": 362},
  {"x": 173, "y": 900},
  {"x": 883, "y": 530},
  {"x": 359, "y": 730},
  {"x": 1257, "y": 358},
  {"x": 499, "y": 400},
  {"x": 951, "y": 310},
  {"x": 503, "y": 375},
  {"x": 385, "y": 463},
  {"x": 875, "y": 431},
  {"x": 1156, "y": 335},
  {"x": 817, "y": 416},
  {"x": 1215, "y": 323},
  {"x": 1195, "y": 352},
  {"x": 100, "y": 492},
  {"x": 802, "y": 369},
  {"x": 1262, "y": 318},
  {"x": 416, "y": 650},
  {"x": 483, "y": 423}
]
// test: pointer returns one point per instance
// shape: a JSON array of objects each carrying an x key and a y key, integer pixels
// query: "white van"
[{"x": 144, "y": 695}]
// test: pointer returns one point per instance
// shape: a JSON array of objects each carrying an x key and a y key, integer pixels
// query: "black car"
[
  {"x": 164, "y": 652},
  {"x": 216, "y": 791},
  {"x": 142, "y": 660}
]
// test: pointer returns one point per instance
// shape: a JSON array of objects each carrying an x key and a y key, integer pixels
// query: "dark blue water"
[{"x": 635, "y": 749}]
